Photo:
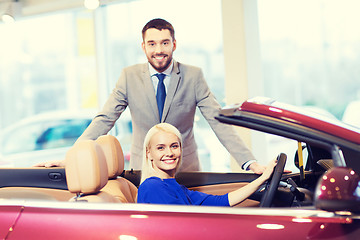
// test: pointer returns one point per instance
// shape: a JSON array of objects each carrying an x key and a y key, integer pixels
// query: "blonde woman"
[{"x": 162, "y": 158}]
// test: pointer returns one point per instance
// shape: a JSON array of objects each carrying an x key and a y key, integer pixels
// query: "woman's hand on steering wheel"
[
  {"x": 269, "y": 169},
  {"x": 273, "y": 181}
]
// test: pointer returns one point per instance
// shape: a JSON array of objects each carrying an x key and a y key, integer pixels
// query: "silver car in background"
[{"x": 41, "y": 137}]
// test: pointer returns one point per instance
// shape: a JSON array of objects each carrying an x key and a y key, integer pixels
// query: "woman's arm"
[{"x": 241, "y": 194}]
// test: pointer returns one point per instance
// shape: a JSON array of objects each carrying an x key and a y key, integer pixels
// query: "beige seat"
[
  {"x": 117, "y": 186},
  {"x": 87, "y": 173}
]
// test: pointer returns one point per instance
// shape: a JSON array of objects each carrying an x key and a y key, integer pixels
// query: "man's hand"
[
  {"x": 269, "y": 169},
  {"x": 257, "y": 168},
  {"x": 50, "y": 164}
]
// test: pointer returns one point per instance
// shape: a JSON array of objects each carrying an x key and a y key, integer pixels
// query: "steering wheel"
[{"x": 273, "y": 182}]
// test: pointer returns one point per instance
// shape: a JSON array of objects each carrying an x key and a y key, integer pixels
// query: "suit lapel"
[
  {"x": 149, "y": 91},
  {"x": 174, "y": 82}
]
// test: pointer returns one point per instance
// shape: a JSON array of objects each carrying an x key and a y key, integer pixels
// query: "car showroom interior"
[
  {"x": 284, "y": 73},
  {"x": 64, "y": 56}
]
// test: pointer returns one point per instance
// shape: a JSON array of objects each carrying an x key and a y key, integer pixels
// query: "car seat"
[
  {"x": 87, "y": 173},
  {"x": 120, "y": 187}
]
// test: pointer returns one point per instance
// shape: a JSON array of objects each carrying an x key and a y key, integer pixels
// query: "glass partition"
[{"x": 70, "y": 60}]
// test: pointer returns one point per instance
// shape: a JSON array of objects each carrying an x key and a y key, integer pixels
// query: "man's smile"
[{"x": 160, "y": 57}]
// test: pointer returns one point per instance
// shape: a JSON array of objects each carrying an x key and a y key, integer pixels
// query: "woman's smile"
[{"x": 169, "y": 161}]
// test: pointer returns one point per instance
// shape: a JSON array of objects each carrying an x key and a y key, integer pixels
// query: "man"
[{"x": 182, "y": 89}]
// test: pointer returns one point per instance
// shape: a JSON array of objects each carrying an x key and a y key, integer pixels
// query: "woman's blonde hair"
[{"x": 147, "y": 168}]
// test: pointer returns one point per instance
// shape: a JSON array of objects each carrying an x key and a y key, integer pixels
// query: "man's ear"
[
  {"x": 174, "y": 45},
  {"x": 143, "y": 46}
]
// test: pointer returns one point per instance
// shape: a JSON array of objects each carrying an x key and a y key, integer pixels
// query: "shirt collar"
[{"x": 167, "y": 72}]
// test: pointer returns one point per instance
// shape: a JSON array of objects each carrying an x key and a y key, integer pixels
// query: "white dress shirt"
[{"x": 154, "y": 78}]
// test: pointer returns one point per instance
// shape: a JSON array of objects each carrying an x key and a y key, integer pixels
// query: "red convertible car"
[{"x": 93, "y": 198}]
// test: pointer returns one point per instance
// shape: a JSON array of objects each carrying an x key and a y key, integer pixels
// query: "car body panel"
[
  {"x": 8, "y": 217},
  {"x": 109, "y": 221}
]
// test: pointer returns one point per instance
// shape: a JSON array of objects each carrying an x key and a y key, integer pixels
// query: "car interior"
[
  {"x": 95, "y": 172},
  {"x": 86, "y": 173}
]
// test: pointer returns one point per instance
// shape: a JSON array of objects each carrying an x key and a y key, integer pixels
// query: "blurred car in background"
[
  {"x": 352, "y": 114},
  {"x": 40, "y": 138},
  {"x": 48, "y": 136}
]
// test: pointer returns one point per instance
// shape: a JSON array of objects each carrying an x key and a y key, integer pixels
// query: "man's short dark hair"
[{"x": 159, "y": 24}]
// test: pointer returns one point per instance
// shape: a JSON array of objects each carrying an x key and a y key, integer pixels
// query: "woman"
[{"x": 161, "y": 160}]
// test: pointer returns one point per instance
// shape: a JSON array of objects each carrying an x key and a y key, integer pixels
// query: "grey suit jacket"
[{"x": 187, "y": 90}]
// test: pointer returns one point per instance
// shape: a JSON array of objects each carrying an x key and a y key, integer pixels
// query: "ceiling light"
[
  {"x": 91, "y": 4},
  {"x": 7, "y": 18},
  {"x": 13, "y": 10}
]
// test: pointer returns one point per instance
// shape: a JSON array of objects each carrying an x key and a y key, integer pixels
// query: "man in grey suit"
[{"x": 185, "y": 89}]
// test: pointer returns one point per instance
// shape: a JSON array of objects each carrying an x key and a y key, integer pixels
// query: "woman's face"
[{"x": 164, "y": 152}]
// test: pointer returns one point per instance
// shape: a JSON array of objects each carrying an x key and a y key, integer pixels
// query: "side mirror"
[{"x": 338, "y": 190}]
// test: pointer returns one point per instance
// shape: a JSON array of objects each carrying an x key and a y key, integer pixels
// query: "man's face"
[{"x": 158, "y": 46}]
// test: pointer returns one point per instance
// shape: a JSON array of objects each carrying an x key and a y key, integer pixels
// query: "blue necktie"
[{"x": 160, "y": 93}]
